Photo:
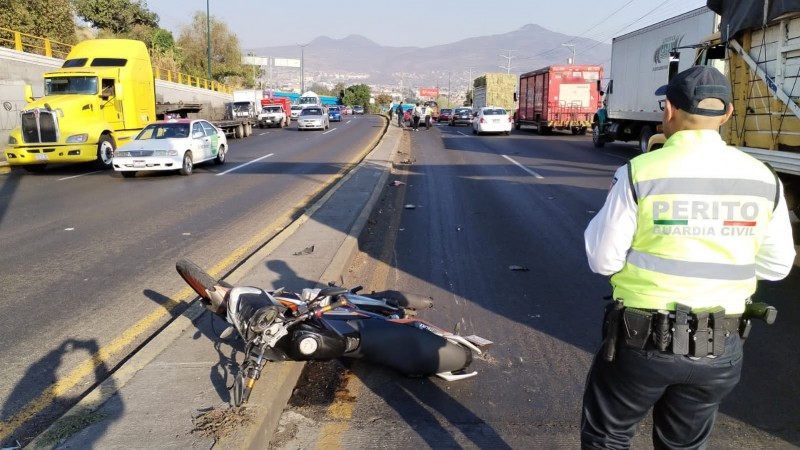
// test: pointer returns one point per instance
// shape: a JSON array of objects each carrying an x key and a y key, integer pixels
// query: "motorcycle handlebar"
[{"x": 319, "y": 311}]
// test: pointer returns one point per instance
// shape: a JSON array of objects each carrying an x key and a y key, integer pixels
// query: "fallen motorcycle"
[{"x": 328, "y": 323}]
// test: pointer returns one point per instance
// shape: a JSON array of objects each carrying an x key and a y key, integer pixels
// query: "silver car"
[{"x": 312, "y": 118}]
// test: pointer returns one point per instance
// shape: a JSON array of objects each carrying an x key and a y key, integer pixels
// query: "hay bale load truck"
[{"x": 758, "y": 49}]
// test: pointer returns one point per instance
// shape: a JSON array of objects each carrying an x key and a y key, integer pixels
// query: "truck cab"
[{"x": 102, "y": 96}]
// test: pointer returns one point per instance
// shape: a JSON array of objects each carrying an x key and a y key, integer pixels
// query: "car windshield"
[
  {"x": 494, "y": 112},
  {"x": 333, "y": 109},
  {"x": 271, "y": 109},
  {"x": 296, "y": 107},
  {"x": 446, "y": 111},
  {"x": 164, "y": 131},
  {"x": 311, "y": 112},
  {"x": 462, "y": 111},
  {"x": 70, "y": 85}
]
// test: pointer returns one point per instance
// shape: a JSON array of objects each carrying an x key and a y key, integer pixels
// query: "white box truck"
[{"x": 639, "y": 65}]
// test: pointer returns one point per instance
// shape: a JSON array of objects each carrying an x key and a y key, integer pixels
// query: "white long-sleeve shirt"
[{"x": 610, "y": 234}]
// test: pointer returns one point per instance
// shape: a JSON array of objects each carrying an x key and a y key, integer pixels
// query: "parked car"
[
  {"x": 492, "y": 119},
  {"x": 445, "y": 114},
  {"x": 176, "y": 144},
  {"x": 312, "y": 118},
  {"x": 295, "y": 113},
  {"x": 461, "y": 116},
  {"x": 334, "y": 113},
  {"x": 358, "y": 109},
  {"x": 348, "y": 110}
]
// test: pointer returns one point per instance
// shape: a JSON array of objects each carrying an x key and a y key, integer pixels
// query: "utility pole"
[
  {"x": 571, "y": 60},
  {"x": 449, "y": 103},
  {"x": 302, "y": 69},
  {"x": 509, "y": 58},
  {"x": 469, "y": 82}
]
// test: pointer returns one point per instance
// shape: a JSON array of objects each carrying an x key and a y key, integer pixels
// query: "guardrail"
[{"x": 28, "y": 43}]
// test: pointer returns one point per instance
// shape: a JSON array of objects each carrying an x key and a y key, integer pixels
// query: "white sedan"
[
  {"x": 176, "y": 144},
  {"x": 492, "y": 119},
  {"x": 312, "y": 118}
]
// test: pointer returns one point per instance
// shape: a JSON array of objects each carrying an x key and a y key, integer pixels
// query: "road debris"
[
  {"x": 397, "y": 183},
  {"x": 518, "y": 268},
  {"x": 305, "y": 251},
  {"x": 218, "y": 423}
]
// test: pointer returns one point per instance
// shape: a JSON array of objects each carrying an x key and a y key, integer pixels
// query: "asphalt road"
[
  {"x": 87, "y": 265},
  {"x": 496, "y": 238}
]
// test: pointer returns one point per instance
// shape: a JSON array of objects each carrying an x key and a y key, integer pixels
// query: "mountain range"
[{"x": 357, "y": 59}]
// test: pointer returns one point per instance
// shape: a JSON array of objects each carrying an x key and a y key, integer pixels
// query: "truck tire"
[
  {"x": 644, "y": 137},
  {"x": 238, "y": 132},
  {"x": 105, "y": 152},
  {"x": 597, "y": 137}
]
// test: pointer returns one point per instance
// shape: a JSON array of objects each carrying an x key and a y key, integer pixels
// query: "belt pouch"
[
  {"x": 699, "y": 345},
  {"x": 637, "y": 325},
  {"x": 661, "y": 334},
  {"x": 718, "y": 329},
  {"x": 680, "y": 330}
]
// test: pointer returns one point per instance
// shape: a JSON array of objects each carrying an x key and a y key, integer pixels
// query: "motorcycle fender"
[{"x": 407, "y": 349}]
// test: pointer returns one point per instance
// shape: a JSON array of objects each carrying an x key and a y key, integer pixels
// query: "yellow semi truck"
[{"x": 101, "y": 97}]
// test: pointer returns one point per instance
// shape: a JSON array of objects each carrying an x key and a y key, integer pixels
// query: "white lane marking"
[
  {"x": 81, "y": 175},
  {"x": 331, "y": 130},
  {"x": 245, "y": 164},
  {"x": 524, "y": 168},
  {"x": 461, "y": 133}
]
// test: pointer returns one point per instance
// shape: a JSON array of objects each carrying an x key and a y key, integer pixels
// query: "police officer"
[{"x": 692, "y": 225}]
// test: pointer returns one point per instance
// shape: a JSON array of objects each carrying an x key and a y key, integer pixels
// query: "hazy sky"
[{"x": 417, "y": 23}]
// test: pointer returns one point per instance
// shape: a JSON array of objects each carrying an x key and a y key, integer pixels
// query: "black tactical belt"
[{"x": 699, "y": 333}]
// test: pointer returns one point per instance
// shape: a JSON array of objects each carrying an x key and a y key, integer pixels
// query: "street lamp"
[
  {"x": 302, "y": 69},
  {"x": 208, "y": 36},
  {"x": 572, "y": 60}
]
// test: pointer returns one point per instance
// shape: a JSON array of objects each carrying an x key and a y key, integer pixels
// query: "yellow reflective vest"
[{"x": 703, "y": 208}]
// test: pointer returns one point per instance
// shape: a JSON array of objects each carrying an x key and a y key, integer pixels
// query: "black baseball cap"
[{"x": 697, "y": 83}]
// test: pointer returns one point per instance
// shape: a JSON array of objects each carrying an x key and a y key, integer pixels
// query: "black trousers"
[
  {"x": 684, "y": 393},
  {"x": 415, "y": 122}
]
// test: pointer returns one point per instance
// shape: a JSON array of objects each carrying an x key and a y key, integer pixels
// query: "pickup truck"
[{"x": 272, "y": 116}]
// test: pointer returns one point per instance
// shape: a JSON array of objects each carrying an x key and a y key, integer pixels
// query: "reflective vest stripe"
[
  {"x": 707, "y": 270},
  {"x": 705, "y": 186}
]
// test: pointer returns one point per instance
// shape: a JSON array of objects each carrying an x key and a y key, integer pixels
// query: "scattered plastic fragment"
[
  {"x": 518, "y": 268},
  {"x": 398, "y": 183},
  {"x": 409, "y": 206}
]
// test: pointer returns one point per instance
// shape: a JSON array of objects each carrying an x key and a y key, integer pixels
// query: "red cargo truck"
[{"x": 558, "y": 98}]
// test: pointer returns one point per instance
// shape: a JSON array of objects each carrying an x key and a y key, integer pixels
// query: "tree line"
[{"x": 72, "y": 21}]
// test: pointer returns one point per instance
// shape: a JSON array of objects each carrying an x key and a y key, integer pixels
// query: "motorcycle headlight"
[{"x": 78, "y": 138}]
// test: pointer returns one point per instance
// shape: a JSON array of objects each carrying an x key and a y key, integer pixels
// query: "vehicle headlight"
[
  {"x": 12, "y": 140},
  {"x": 78, "y": 138},
  {"x": 121, "y": 154}
]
